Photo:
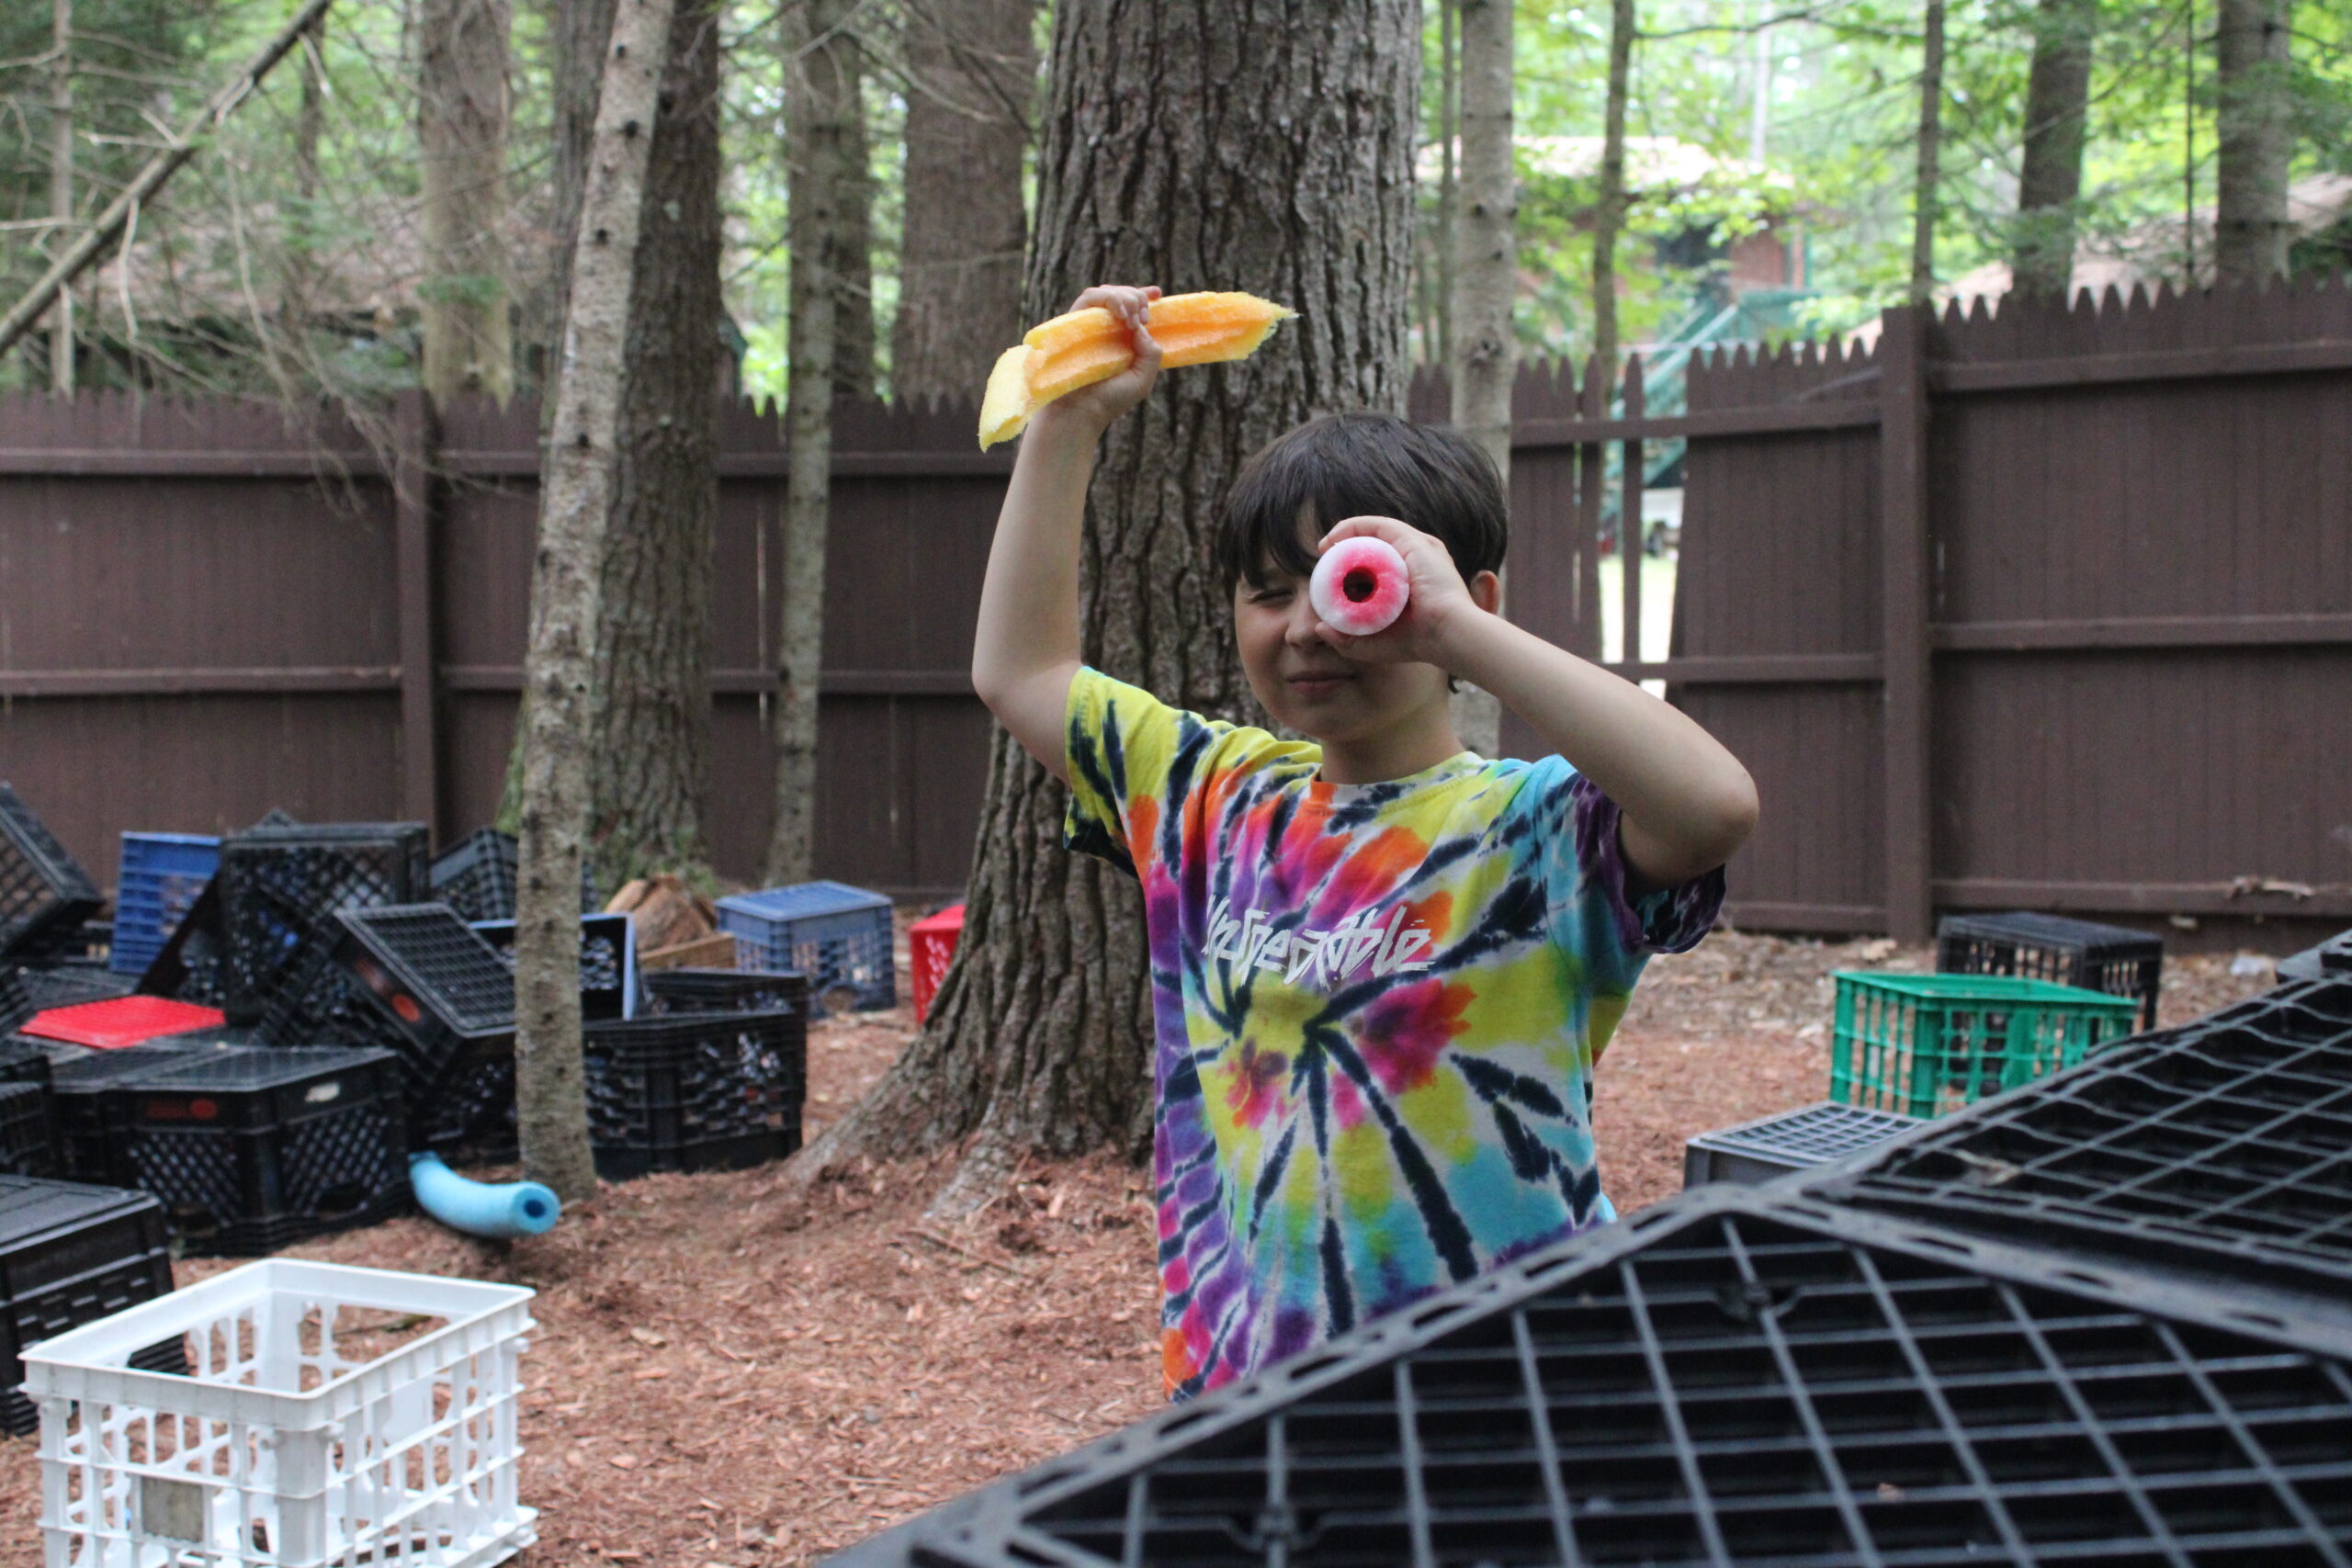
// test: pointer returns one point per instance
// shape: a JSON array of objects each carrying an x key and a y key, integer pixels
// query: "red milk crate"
[{"x": 931, "y": 943}]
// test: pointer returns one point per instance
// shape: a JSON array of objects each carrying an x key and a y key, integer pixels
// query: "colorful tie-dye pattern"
[{"x": 1378, "y": 1008}]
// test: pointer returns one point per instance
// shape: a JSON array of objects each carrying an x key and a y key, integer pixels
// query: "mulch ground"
[{"x": 726, "y": 1374}]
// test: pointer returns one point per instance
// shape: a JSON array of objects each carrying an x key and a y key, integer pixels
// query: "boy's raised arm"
[{"x": 1026, "y": 649}]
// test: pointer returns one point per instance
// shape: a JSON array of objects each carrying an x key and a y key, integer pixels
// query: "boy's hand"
[
  {"x": 1437, "y": 600},
  {"x": 1105, "y": 400}
]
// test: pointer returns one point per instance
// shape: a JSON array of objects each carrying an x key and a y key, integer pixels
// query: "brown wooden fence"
[{"x": 2050, "y": 610}]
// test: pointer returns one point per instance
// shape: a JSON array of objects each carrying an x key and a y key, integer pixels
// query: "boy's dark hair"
[{"x": 1353, "y": 465}]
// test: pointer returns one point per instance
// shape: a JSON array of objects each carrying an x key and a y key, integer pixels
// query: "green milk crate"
[{"x": 1928, "y": 1045}]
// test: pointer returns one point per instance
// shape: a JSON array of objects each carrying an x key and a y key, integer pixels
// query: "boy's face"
[{"x": 1308, "y": 686}]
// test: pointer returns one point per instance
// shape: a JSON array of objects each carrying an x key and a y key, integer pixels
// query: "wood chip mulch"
[{"x": 724, "y": 1373}]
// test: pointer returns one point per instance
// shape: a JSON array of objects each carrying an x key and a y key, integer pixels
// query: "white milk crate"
[{"x": 331, "y": 1415}]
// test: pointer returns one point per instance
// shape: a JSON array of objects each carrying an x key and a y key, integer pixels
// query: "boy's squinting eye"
[{"x": 1272, "y": 593}]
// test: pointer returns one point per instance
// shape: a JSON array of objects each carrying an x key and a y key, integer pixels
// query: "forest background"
[{"x": 288, "y": 258}]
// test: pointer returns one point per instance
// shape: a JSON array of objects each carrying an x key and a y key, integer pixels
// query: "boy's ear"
[{"x": 1486, "y": 592}]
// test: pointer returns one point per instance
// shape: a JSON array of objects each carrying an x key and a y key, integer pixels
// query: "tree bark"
[
  {"x": 61, "y": 187},
  {"x": 2057, "y": 102},
  {"x": 2254, "y": 115},
  {"x": 575, "y": 509},
  {"x": 1609, "y": 208},
  {"x": 850, "y": 257},
  {"x": 823, "y": 124},
  {"x": 1448, "y": 187},
  {"x": 650, "y": 726},
  {"x": 461, "y": 136},
  {"x": 1930, "y": 156},
  {"x": 1271, "y": 148},
  {"x": 971, "y": 69},
  {"x": 1485, "y": 357}
]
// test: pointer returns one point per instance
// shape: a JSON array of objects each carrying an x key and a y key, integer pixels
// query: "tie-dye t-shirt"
[{"x": 1377, "y": 1008}]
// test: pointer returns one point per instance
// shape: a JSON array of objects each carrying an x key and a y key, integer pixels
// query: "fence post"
[
  {"x": 414, "y": 435},
  {"x": 1904, "y": 604}
]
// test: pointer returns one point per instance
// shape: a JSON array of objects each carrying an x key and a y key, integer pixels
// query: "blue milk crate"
[
  {"x": 837, "y": 935},
  {"x": 162, "y": 876}
]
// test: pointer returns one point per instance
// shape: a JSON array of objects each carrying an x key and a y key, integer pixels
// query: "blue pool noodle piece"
[{"x": 496, "y": 1210}]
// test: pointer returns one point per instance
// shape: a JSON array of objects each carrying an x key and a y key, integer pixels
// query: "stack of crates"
[
  {"x": 837, "y": 935},
  {"x": 697, "y": 1091},
  {"x": 45, "y": 895},
  {"x": 2051, "y": 947},
  {"x": 70, "y": 1254},
  {"x": 1928, "y": 1045},
  {"x": 162, "y": 876}
]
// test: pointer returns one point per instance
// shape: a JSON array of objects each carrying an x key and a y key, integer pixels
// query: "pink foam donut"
[{"x": 1360, "y": 586}]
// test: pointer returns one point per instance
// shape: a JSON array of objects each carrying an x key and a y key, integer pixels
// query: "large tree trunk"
[
  {"x": 824, "y": 125},
  {"x": 461, "y": 135},
  {"x": 971, "y": 70},
  {"x": 2057, "y": 101},
  {"x": 1927, "y": 171},
  {"x": 575, "y": 509},
  {"x": 650, "y": 725},
  {"x": 1040, "y": 1037},
  {"x": 2255, "y": 118},
  {"x": 1609, "y": 206},
  {"x": 850, "y": 257},
  {"x": 1486, "y": 283}
]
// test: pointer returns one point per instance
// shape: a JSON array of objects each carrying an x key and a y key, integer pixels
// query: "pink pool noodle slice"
[{"x": 1360, "y": 586}]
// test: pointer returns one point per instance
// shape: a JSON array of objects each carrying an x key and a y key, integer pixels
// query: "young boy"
[{"x": 1382, "y": 967}]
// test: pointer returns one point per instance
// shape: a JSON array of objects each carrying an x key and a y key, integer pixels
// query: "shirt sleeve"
[
  {"x": 1585, "y": 882},
  {"x": 1121, "y": 741}
]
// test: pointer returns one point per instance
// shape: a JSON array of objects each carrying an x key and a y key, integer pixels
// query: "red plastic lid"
[
  {"x": 123, "y": 1021},
  {"x": 951, "y": 918}
]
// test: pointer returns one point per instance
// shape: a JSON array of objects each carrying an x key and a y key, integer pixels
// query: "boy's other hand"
[
  {"x": 1437, "y": 600},
  {"x": 1105, "y": 400}
]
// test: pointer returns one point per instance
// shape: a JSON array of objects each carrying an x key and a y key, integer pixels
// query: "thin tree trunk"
[
  {"x": 577, "y": 33},
  {"x": 2254, "y": 111},
  {"x": 309, "y": 125},
  {"x": 820, "y": 115},
  {"x": 1041, "y": 1035},
  {"x": 2057, "y": 102},
  {"x": 61, "y": 188},
  {"x": 575, "y": 509},
  {"x": 1609, "y": 208},
  {"x": 461, "y": 134},
  {"x": 1448, "y": 187},
  {"x": 1486, "y": 283},
  {"x": 650, "y": 728},
  {"x": 1931, "y": 151},
  {"x": 971, "y": 67},
  {"x": 851, "y": 256}
]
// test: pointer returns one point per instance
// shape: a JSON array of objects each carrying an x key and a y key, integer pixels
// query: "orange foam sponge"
[{"x": 1085, "y": 346}]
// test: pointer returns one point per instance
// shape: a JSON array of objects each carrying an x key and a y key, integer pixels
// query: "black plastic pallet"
[
  {"x": 725, "y": 990},
  {"x": 72, "y": 1254},
  {"x": 27, "y": 1137},
  {"x": 44, "y": 893},
  {"x": 695, "y": 1091},
  {"x": 1772, "y": 1147},
  {"x": 281, "y": 889},
  {"x": 2223, "y": 1146},
  {"x": 250, "y": 1150},
  {"x": 1732, "y": 1378},
  {"x": 2110, "y": 959}
]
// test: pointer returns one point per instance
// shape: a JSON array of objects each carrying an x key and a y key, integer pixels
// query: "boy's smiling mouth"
[{"x": 1318, "y": 683}]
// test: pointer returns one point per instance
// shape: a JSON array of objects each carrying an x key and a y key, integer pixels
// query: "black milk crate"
[
  {"x": 2051, "y": 947},
  {"x": 281, "y": 889},
  {"x": 2332, "y": 958},
  {"x": 608, "y": 977},
  {"x": 70, "y": 985},
  {"x": 695, "y": 1091},
  {"x": 251, "y": 1150},
  {"x": 44, "y": 893},
  {"x": 24, "y": 1059},
  {"x": 80, "y": 1085},
  {"x": 1733, "y": 1377},
  {"x": 1762, "y": 1150},
  {"x": 476, "y": 876},
  {"x": 469, "y": 1120},
  {"x": 437, "y": 993},
  {"x": 72, "y": 1254},
  {"x": 2221, "y": 1146},
  {"x": 28, "y": 1133},
  {"x": 192, "y": 965},
  {"x": 670, "y": 991},
  {"x": 15, "y": 1002}
]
